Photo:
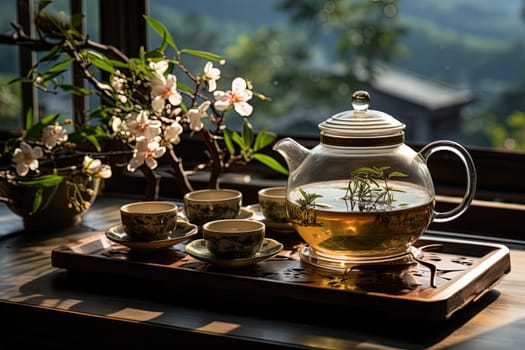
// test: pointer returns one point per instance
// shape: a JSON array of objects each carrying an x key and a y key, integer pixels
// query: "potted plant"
[{"x": 46, "y": 178}]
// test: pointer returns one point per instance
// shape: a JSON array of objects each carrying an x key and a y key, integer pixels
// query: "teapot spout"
[{"x": 293, "y": 152}]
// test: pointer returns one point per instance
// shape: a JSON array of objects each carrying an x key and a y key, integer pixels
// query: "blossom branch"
[
  {"x": 177, "y": 170},
  {"x": 143, "y": 103},
  {"x": 215, "y": 154}
]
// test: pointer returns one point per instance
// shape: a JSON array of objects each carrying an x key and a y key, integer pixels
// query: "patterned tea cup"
[
  {"x": 233, "y": 238},
  {"x": 149, "y": 220},
  {"x": 206, "y": 205},
  {"x": 273, "y": 203}
]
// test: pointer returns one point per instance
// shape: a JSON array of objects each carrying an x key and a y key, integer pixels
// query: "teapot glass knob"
[{"x": 360, "y": 100}]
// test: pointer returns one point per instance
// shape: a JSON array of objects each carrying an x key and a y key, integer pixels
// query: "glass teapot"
[{"x": 363, "y": 196}]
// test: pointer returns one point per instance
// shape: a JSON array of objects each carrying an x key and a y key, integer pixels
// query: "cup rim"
[
  {"x": 256, "y": 226},
  {"x": 268, "y": 192},
  {"x": 194, "y": 195},
  {"x": 168, "y": 207}
]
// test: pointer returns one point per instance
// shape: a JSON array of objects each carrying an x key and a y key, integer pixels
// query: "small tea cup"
[
  {"x": 149, "y": 220},
  {"x": 206, "y": 205},
  {"x": 273, "y": 203},
  {"x": 233, "y": 238}
]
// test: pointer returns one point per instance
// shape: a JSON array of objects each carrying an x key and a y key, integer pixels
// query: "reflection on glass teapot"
[{"x": 362, "y": 195}]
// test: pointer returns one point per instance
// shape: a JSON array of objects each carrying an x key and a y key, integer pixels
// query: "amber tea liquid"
[{"x": 342, "y": 228}]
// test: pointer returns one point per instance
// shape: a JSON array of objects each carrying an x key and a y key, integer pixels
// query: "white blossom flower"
[
  {"x": 163, "y": 89},
  {"x": 172, "y": 132},
  {"x": 117, "y": 125},
  {"x": 118, "y": 83},
  {"x": 159, "y": 67},
  {"x": 237, "y": 97},
  {"x": 54, "y": 134},
  {"x": 145, "y": 152},
  {"x": 104, "y": 172},
  {"x": 26, "y": 158},
  {"x": 211, "y": 75},
  {"x": 94, "y": 167},
  {"x": 196, "y": 114},
  {"x": 139, "y": 124}
]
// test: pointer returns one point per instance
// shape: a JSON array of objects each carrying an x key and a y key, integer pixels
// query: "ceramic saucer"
[
  {"x": 284, "y": 227},
  {"x": 244, "y": 214},
  {"x": 198, "y": 250},
  {"x": 184, "y": 231}
]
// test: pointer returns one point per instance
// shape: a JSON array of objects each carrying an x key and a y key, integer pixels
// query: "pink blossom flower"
[
  {"x": 163, "y": 89},
  {"x": 172, "y": 132},
  {"x": 53, "y": 134},
  {"x": 237, "y": 97},
  {"x": 139, "y": 124},
  {"x": 145, "y": 153},
  {"x": 196, "y": 114}
]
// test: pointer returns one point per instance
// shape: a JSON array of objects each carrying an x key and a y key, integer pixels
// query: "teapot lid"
[{"x": 362, "y": 127}]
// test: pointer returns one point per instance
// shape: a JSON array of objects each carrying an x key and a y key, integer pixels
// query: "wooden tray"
[{"x": 465, "y": 270}]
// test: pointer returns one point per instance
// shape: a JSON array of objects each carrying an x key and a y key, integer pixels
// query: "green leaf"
[
  {"x": 140, "y": 66},
  {"x": 49, "y": 198},
  {"x": 239, "y": 140},
  {"x": 270, "y": 162},
  {"x": 29, "y": 119},
  {"x": 50, "y": 75},
  {"x": 60, "y": 66},
  {"x": 118, "y": 64},
  {"x": 20, "y": 80},
  {"x": 365, "y": 170},
  {"x": 75, "y": 90},
  {"x": 263, "y": 139},
  {"x": 39, "y": 196},
  {"x": 43, "y": 181},
  {"x": 155, "y": 55},
  {"x": 142, "y": 54},
  {"x": 38, "y": 200},
  {"x": 228, "y": 141},
  {"x": 100, "y": 61},
  {"x": 184, "y": 87},
  {"x": 51, "y": 55},
  {"x": 203, "y": 54},
  {"x": 396, "y": 173},
  {"x": 94, "y": 141},
  {"x": 161, "y": 30},
  {"x": 49, "y": 119},
  {"x": 91, "y": 134},
  {"x": 247, "y": 132}
]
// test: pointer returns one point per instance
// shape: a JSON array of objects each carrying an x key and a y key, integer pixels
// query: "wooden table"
[{"x": 45, "y": 306}]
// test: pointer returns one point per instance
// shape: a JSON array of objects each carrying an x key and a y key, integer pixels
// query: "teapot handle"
[{"x": 464, "y": 156}]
